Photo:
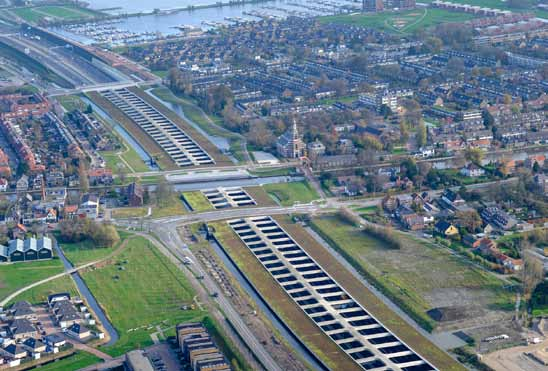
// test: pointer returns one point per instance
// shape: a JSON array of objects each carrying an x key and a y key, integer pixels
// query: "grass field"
[
  {"x": 175, "y": 207},
  {"x": 288, "y": 194},
  {"x": 129, "y": 212},
  {"x": 85, "y": 251},
  {"x": 419, "y": 276},
  {"x": 197, "y": 201},
  {"x": 39, "y": 294},
  {"x": 55, "y": 12},
  {"x": 17, "y": 275},
  {"x": 75, "y": 361},
  {"x": 139, "y": 290},
  {"x": 401, "y": 22}
]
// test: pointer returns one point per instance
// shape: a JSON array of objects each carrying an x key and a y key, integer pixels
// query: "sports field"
[
  {"x": 55, "y": 13},
  {"x": 401, "y": 22}
]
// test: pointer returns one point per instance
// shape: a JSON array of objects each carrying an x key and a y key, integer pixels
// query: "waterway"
[
  {"x": 90, "y": 299},
  {"x": 289, "y": 336},
  {"x": 205, "y": 18},
  {"x": 221, "y": 143},
  {"x": 235, "y": 183},
  {"x": 143, "y": 154}
]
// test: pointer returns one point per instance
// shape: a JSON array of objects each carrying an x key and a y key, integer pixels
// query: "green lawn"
[
  {"x": 284, "y": 171},
  {"x": 288, "y": 194},
  {"x": 197, "y": 201},
  {"x": 401, "y": 22},
  {"x": 75, "y": 361},
  {"x": 140, "y": 290},
  {"x": 416, "y": 275},
  {"x": 17, "y": 275},
  {"x": 85, "y": 251},
  {"x": 39, "y": 294},
  {"x": 55, "y": 12},
  {"x": 174, "y": 207}
]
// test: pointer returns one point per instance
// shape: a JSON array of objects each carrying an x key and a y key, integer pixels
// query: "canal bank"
[
  {"x": 88, "y": 296},
  {"x": 292, "y": 339}
]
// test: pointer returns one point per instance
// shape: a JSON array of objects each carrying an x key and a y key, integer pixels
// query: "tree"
[
  {"x": 409, "y": 167},
  {"x": 474, "y": 155},
  {"x": 421, "y": 134},
  {"x": 533, "y": 269},
  {"x": 83, "y": 175},
  {"x": 164, "y": 193},
  {"x": 469, "y": 219}
]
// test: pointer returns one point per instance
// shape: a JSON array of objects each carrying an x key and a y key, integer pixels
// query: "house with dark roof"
[
  {"x": 22, "y": 329},
  {"x": 34, "y": 346},
  {"x": 78, "y": 331},
  {"x": 15, "y": 351},
  {"x": 22, "y": 309},
  {"x": 445, "y": 228}
]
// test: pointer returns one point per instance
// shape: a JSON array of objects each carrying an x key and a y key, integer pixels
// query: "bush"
[{"x": 102, "y": 234}]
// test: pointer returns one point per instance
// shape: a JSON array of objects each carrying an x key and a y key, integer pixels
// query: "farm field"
[
  {"x": 140, "y": 289},
  {"x": 420, "y": 277},
  {"x": 369, "y": 300},
  {"x": 39, "y": 294},
  {"x": 282, "y": 304},
  {"x": 289, "y": 193},
  {"x": 17, "y": 275},
  {"x": 401, "y": 22},
  {"x": 75, "y": 361}
]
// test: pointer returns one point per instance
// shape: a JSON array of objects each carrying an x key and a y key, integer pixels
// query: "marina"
[{"x": 184, "y": 20}]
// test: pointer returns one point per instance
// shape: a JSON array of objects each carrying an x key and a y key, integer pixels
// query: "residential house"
[
  {"x": 99, "y": 176},
  {"x": 22, "y": 329},
  {"x": 472, "y": 170},
  {"x": 409, "y": 218},
  {"x": 445, "y": 228},
  {"x": 89, "y": 207},
  {"x": 34, "y": 346},
  {"x": 4, "y": 184},
  {"x": 541, "y": 181},
  {"x": 78, "y": 331},
  {"x": 499, "y": 218},
  {"x": 22, "y": 310},
  {"x": 15, "y": 351},
  {"x": 135, "y": 195}
]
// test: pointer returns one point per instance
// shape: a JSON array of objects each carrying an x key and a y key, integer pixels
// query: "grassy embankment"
[{"x": 287, "y": 194}]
